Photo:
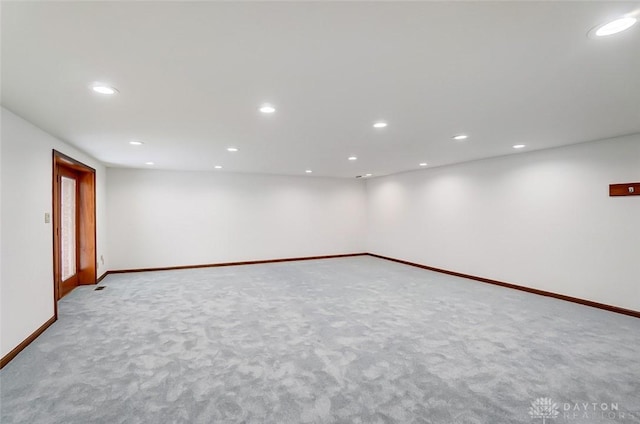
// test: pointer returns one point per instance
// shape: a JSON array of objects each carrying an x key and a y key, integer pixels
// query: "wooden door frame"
[{"x": 86, "y": 221}]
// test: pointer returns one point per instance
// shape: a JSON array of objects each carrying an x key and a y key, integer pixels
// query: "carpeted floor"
[{"x": 352, "y": 340}]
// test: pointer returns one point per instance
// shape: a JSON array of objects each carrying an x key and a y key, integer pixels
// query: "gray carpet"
[{"x": 352, "y": 340}]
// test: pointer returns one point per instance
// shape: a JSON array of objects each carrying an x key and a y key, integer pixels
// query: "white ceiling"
[{"x": 191, "y": 77}]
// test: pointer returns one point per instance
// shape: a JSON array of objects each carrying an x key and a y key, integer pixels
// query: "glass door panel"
[{"x": 68, "y": 228}]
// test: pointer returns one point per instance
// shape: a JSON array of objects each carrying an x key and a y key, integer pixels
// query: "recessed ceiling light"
[
  {"x": 267, "y": 108},
  {"x": 613, "y": 27},
  {"x": 367, "y": 175},
  {"x": 218, "y": 167},
  {"x": 519, "y": 146},
  {"x": 149, "y": 163},
  {"x": 136, "y": 143},
  {"x": 423, "y": 164},
  {"x": 232, "y": 149},
  {"x": 308, "y": 171},
  {"x": 460, "y": 137},
  {"x": 379, "y": 125},
  {"x": 104, "y": 89},
  {"x": 352, "y": 158}
]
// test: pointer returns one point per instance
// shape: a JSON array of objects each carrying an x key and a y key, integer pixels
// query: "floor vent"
[{"x": 100, "y": 288}]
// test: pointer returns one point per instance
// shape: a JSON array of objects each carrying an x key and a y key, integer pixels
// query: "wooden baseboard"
[
  {"x": 265, "y": 261},
  {"x": 9, "y": 356},
  {"x": 585, "y": 302},
  {"x": 102, "y": 277}
]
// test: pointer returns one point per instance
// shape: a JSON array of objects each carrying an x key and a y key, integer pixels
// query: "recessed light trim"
[
  {"x": 368, "y": 175},
  {"x": 460, "y": 137},
  {"x": 218, "y": 167},
  {"x": 380, "y": 124},
  {"x": 423, "y": 164},
  {"x": 352, "y": 158},
  {"x": 149, "y": 163},
  {"x": 136, "y": 143},
  {"x": 519, "y": 146},
  {"x": 613, "y": 27},
  {"x": 267, "y": 108},
  {"x": 232, "y": 149},
  {"x": 308, "y": 171},
  {"x": 104, "y": 89}
]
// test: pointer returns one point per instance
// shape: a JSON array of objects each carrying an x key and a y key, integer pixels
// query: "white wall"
[
  {"x": 539, "y": 219},
  {"x": 168, "y": 218},
  {"x": 26, "y": 248}
]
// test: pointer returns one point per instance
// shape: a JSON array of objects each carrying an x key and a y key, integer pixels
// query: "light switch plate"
[{"x": 47, "y": 217}]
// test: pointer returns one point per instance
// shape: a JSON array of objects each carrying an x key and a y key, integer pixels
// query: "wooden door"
[{"x": 74, "y": 229}]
